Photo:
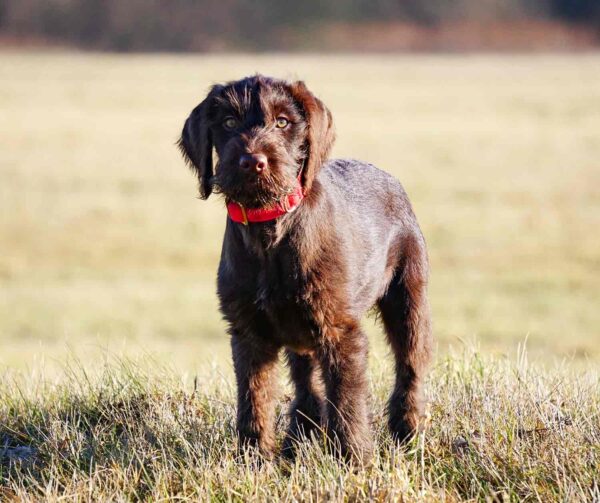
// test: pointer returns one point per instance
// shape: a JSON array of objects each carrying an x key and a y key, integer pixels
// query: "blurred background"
[
  {"x": 488, "y": 111},
  {"x": 315, "y": 25}
]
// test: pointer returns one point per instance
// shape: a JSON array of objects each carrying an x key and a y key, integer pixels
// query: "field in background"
[{"x": 103, "y": 244}]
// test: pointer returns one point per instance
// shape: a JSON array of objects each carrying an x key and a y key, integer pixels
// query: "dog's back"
[{"x": 372, "y": 217}]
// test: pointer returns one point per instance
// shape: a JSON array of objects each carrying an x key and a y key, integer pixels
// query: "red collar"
[{"x": 286, "y": 204}]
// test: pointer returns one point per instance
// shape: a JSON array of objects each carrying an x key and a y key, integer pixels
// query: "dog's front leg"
[
  {"x": 343, "y": 358},
  {"x": 255, "y": 363},
  {"x": 306, "y": 411}
]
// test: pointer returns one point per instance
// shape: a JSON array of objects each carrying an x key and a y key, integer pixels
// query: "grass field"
[
  {"x": 105, "y": 249},
  {"x": 499, "y": 431}
]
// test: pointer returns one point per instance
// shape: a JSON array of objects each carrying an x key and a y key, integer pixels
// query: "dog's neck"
[{"x": 262, "y": 238}]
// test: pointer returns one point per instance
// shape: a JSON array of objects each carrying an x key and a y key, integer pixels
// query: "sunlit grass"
[{"x": 499, "y": 430}]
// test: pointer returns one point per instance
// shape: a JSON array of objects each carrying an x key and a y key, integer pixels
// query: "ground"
[
  {"x": 498, "y": 430},
  {"x": 107, "y": 254}
]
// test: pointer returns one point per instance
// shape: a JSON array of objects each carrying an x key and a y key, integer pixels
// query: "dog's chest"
[{"x": 280, "y": 294}]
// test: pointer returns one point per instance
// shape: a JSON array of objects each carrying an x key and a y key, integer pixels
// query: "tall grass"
[{"x": 499, "y": 430}]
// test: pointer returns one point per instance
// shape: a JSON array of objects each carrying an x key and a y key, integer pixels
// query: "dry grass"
[
  {"x": 104, "y": 246},
  {"x": 500, "y": 430}
]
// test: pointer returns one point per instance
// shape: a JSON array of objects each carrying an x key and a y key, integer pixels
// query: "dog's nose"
[{"x": 254, "y": 162}]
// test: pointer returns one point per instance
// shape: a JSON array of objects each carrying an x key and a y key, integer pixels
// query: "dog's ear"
[
  {"x": 320, "y": 134},
  {"x": 196, "y": 144}
]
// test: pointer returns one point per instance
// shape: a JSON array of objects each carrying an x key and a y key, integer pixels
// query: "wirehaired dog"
[{"x": 310, "y": 245}]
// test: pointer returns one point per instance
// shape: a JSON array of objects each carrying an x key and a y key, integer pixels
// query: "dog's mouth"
[{"x": 251, "y": 190}]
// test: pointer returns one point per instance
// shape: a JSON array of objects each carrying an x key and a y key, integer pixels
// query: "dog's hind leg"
[
  {"x": 306, "y": 410},
  {"x": 405, "y": 314}
]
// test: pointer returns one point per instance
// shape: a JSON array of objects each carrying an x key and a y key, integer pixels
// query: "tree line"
[{"x": 205, "y": 25}]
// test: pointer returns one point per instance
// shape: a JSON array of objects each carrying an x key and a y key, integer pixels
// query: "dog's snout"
[{"x": 253, "y": 162}]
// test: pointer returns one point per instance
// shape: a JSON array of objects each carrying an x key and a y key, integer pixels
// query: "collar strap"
[{"x": 286, "y": 204}]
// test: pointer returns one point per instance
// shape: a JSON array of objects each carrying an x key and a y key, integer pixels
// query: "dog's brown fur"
[{"x": 303, "y": 282}]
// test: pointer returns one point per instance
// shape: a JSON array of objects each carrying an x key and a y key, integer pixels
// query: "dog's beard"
[{"x": 258, "y": 191}]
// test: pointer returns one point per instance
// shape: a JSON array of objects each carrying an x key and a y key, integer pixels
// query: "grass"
[
  {"x": 500, "y": 430},
  {"x": 105, "y": 249}
]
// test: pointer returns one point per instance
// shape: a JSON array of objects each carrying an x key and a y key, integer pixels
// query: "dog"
[{"x": 310, "y": 246}]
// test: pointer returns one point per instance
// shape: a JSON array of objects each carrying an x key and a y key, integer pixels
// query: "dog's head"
[{"x": 265, "y": 131}]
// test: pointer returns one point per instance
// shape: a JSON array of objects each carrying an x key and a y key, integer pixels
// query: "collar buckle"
[{"x": 244, "y": 215}]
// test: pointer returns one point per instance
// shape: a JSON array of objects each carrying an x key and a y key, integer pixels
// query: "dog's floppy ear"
[
  {"x": 196, "y": 144},
  {"x": 320, "y": 135}
]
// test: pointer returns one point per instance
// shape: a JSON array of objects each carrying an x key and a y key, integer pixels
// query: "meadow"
[{"x": 116, "y": 382}]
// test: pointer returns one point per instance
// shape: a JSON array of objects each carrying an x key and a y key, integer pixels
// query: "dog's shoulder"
[
  {"x": 353, "y": 176},
  {"x": 366, "y": 192}
]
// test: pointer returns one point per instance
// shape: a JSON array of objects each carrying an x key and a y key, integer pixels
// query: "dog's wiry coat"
[{"x": 303, "y": 282}]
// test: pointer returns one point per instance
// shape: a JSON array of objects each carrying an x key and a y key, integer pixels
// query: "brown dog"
[{"x": 309, "y": 247}]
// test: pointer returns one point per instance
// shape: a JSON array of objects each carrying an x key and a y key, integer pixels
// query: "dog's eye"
[
  {"x": 281, "y": 122},
  {"x": 229, "y": 123}
]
